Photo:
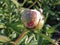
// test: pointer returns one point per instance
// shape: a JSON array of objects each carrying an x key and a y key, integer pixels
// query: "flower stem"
[{"x": 20, "y": 37}]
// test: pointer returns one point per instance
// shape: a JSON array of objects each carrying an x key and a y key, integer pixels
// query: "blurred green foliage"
[{"x": 11, "y": 25}]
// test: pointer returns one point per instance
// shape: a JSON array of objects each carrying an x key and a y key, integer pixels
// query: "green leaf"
[
  {"x": 51, "y": 30},
  {"x": 2, "y": 25},
  {"x": 17, "y": 27},
  {"x": 47, "y": 38},
  {"x": 33, "y": 43}
]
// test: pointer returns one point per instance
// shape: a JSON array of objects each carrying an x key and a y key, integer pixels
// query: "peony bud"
[{"x": 32, "y": 19}]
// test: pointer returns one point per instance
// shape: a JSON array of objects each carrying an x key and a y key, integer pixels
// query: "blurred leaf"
[
  {"x": 47, "y": 38},
  {"x": 49, "y": 29},
  {"x": 33, "y": 43},
  {"x": 4, "y": 39},
  {"x": 2, "y": 25},
  {"x": 17, "y": 26}
]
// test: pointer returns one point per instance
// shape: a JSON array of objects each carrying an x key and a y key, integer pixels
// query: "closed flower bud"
[{"x": 32, "y": 19}]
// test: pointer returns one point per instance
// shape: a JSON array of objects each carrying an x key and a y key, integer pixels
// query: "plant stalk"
[{"x": 20, "y": 37}]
